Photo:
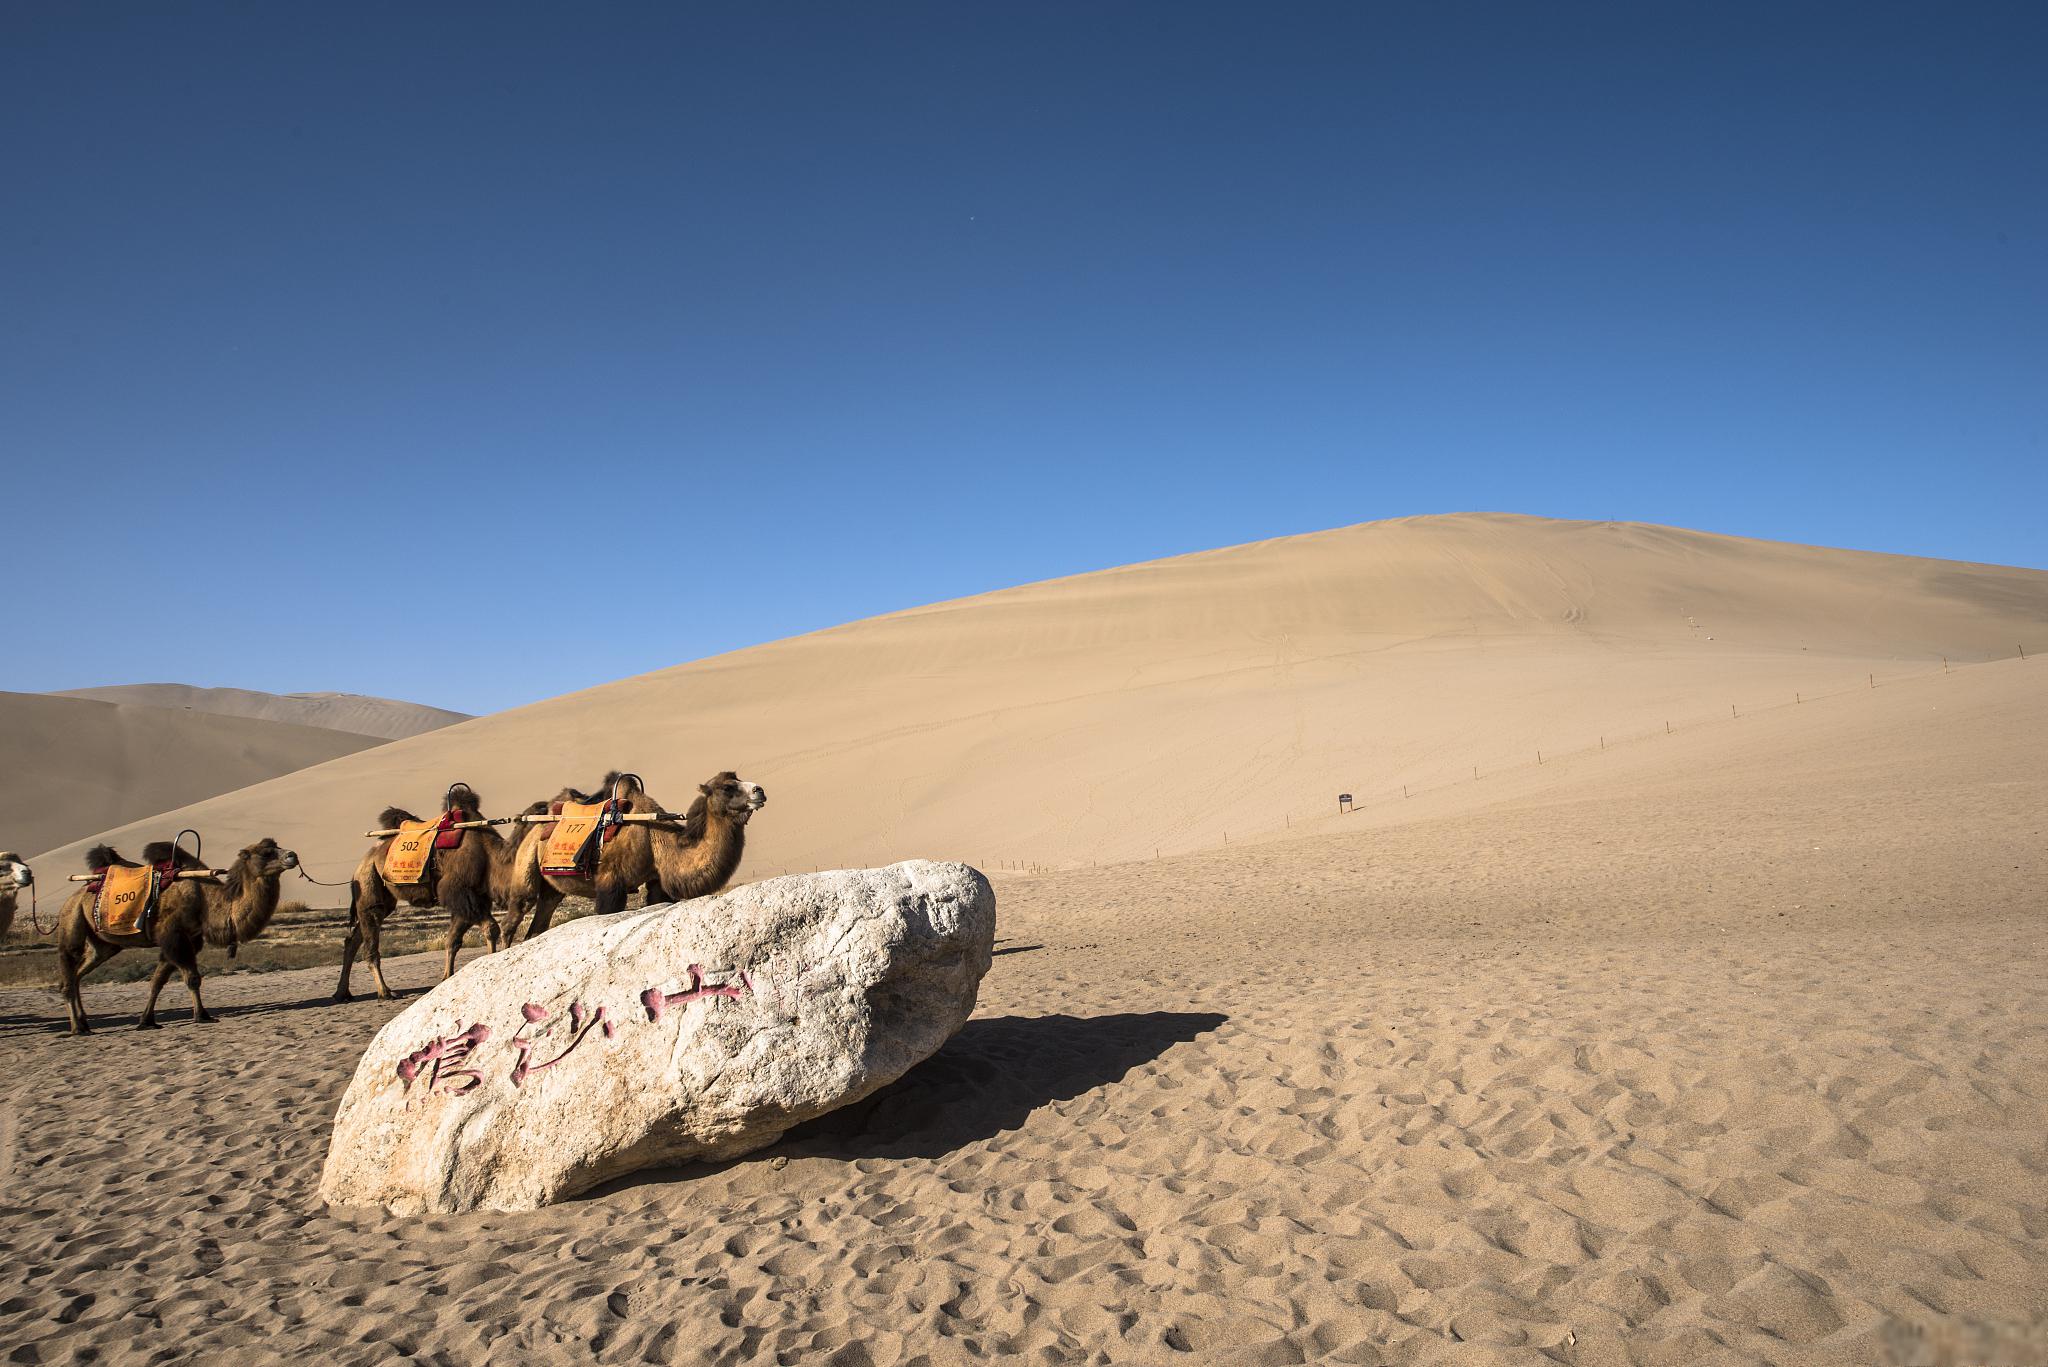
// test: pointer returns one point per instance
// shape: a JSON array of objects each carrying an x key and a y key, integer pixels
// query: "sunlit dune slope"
[{"x": 1228, "y": 694}]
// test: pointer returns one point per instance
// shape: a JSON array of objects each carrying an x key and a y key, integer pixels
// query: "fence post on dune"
[
  {"x": 1873, "y": 681},
  {"x": 1731, "y": 710}
]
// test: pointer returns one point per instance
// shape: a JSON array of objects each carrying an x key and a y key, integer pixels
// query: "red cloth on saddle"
[
  {"x": 165, "y": 872},
  {"x": 446, "y": 839}
]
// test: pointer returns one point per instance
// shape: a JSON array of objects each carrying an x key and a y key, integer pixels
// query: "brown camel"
[
  {"x": 692, "y": 855},
  {"x": 14, "y": 875},
  {"x": 192, "y": 913},
  {"x": 464, "y": 880}
]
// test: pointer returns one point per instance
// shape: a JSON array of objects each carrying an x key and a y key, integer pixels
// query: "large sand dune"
[
  {"x": 1727, "y": 1046},
  {"x": 384, "y": 718},
  {"x": 1224, "y": 695},
  {"x": 71, "y": 767}
]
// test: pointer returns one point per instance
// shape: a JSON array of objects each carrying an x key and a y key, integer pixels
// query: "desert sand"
[
  {"x": 1170, "y": 706},
  {"x": 385, "y": 718},
  {"x": 1722, "y": 1045},
  {"x": 1727, "y": 1046}
]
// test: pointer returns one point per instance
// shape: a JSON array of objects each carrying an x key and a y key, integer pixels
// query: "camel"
[
  {"x": 692, "y": 855},
  {"x": 192, "y": 914},
  {"x": 14, "y": 875},
  {"x": 466, "y": 880}
]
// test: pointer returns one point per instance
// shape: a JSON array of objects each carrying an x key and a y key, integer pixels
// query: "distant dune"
[
  {"x": 384, "y": 718},
  {"x": 1224, "y": 695},
  {"x": 71, "y": 767}
]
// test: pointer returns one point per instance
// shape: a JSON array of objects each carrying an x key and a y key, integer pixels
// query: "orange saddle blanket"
[
  {"x": 563, "y": 852},
  {"x": 124, "y": 902},
  {"x": 405, "y": 863}
]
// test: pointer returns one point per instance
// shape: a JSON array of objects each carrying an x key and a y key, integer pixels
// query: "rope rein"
[{"x": 320, "y": 881}]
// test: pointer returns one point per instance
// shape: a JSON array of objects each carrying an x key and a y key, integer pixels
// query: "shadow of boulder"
[{"x": 989, "y": 1078}]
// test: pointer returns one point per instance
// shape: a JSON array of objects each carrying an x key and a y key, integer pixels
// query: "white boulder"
[{"x": 699, "y": 1030}]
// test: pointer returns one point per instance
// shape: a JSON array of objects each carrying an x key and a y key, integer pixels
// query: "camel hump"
[
  {"x": 391, "y": 816},
  {"x": 102, "y": 857},
  {"x": 158, "y": 852},
  {"x": 463, "y": 798},
  {"x": 604, "y": 790}
]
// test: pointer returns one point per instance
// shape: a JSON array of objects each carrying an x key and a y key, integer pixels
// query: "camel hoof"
[
  {"x": 343, "y": 997},
  {"x": 81, "y": 1030},
  {"x": 147, "y": 1025},
  {"x": 206, "y": 1020},
  {"x": 387, "y": 996}
]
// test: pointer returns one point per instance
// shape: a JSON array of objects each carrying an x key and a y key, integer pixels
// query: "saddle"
[
  {"x": 574, "y": 842},
  {"x": 412, "y": 850},
  {"x": 125, "y": 898}
]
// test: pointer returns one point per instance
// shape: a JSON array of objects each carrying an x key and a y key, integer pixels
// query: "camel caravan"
[{"x": 604, "y": 845}]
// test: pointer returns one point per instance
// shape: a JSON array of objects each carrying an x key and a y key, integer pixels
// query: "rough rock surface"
[{"x": 700, "y": 1030}]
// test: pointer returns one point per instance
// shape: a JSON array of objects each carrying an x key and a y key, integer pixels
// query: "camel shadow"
[{"x": 990, "y": 1077}]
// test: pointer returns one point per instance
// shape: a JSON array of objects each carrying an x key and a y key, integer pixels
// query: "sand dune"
[
  {"x": 1225, "y": 695},
  {"x": 71, "y": 767},
  {"x": 384, "y": 718},
  {"x": 1727, "y": 1046}
]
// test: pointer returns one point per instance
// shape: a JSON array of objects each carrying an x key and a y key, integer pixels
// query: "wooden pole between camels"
[
  {"x": 538, "y": 819},
  {"x": 455, "y": 826},
  {"x": 182, "y": 873},
  {"x": 544, "y": 819}
]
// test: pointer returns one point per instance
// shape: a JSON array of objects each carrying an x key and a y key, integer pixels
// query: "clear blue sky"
[{"x": 323, "y": 328}]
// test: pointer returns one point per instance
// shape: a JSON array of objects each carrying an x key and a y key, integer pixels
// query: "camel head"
[
  {"x": 14, "y": 872},
  {"x": 264, "y": 859},
  {"x": 733, "y": 797}
]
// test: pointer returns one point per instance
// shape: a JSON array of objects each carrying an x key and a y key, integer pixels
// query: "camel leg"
[
  {"x": 374, "y": 937},
  {"x": 164, "y": 969},
  {"x": 349, "y": 949},
  {"x": 515, "y": 917},
  {"x": 354, "y": 940},
  {"x": 491, "y": 933},
  {"x": 100, "y": 954},
  {"x": 458, "y": 931},
  {"x": 466, "y": 908},
  {"x": 611, "y": 897},
  {"x": 544, "y": 912},
  {"x": 188, "y": 967},
  {"x": 68, "y": 954}
]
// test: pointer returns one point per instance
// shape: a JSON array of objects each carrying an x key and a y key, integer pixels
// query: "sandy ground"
[{"x": 1729, "y": 1051}]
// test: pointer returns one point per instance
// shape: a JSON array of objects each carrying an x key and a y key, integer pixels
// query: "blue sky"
[{"x": 324, "y": 328}]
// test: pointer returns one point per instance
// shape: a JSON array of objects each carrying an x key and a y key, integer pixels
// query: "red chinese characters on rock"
[
  {"x": 657, "y": 1001},
  {"x": 447, "y": 1066},
  {"x": 580, "y": 1025},
  {"x": 440, "y": 1059}
]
